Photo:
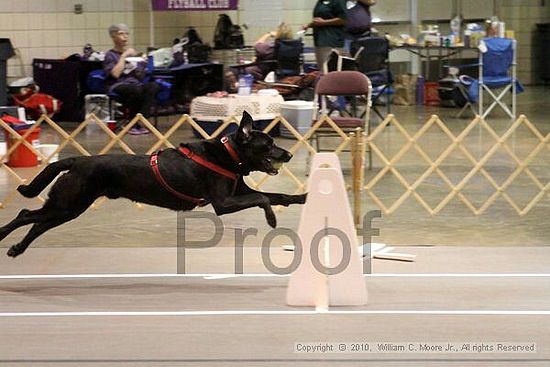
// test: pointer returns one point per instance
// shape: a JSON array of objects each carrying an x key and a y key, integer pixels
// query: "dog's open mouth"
[{"x": 273, "y": 167}]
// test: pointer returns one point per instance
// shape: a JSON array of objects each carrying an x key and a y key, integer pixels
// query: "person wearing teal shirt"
[{"x": 329, "y": 17}]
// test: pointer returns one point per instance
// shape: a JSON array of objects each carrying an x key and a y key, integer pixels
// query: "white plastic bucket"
[
  {"x": 47, "y": 150},
  {"x": 3, "y": 150},
  {"x": 299, "y": 114}
]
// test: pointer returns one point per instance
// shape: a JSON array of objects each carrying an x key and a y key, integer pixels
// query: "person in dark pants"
[{"x": 125, "y": 76}]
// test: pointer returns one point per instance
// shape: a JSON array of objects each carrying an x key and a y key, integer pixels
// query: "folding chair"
[
  {"x": 455, "y": 87},
  {"x": 464, "y": 85},
  {"x": 95, "y": 81},
  {"x": 497, "y": 76},
  {"x": 288, "y": 59},
  {"x": 372, "y": 57},
  {"x": 338, "y": 62},
  {"x": 289, "y": 54},
  {"x": 343, "y": 83}
]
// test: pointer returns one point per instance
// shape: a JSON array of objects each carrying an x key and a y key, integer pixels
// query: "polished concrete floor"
[
  {"x": 146, "y": 314},
  {"x": 478, "y": 279}
]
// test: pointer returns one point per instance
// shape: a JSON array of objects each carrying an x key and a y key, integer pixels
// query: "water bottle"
[
  {"x": 456, "y": 28},
  {"x": 456, "y": 24},
  {"x": 245, "y": 84},
  {"x": 420, "y": 90},
  {"x": 185, "y": 57}
]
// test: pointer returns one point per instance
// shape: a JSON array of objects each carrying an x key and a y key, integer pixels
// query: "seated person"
[
  {"x": 264, "y": 48},
  {"x": 125, "y": 78}
]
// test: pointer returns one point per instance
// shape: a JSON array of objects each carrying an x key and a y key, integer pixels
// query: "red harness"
[{"x": 201, "y": 161}]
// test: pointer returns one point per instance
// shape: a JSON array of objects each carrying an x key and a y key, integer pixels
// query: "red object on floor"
[
  {"x": 111, "y": 125},
  {"x": 431, "y": 95},
  {"x": 23, "y": 156}
]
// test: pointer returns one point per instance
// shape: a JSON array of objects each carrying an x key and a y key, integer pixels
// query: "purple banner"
[{"x": 195, "y": 5}]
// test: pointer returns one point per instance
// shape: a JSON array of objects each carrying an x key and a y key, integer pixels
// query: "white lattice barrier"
[
  {"x": 360, "y": 144},
  {"x": 163, "y": 140},
  {"x": 389, "y": 164}
]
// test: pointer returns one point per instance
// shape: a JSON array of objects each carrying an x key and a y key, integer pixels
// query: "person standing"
[
  {"x": 126, "y": 78},
  {"x": 329, "y": 18},
  {"x": 359, "y": 21}
]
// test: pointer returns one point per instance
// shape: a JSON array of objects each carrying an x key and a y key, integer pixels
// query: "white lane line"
[
  {"x": 268, "y": 275},
  {"x": 459, "y": 275},
  {"x": 271, "y": 313}
]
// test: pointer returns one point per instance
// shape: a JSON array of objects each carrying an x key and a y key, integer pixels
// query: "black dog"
[{"x": 209, "y": 171}]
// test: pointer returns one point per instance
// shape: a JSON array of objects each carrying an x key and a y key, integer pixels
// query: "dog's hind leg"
[
  {"x": 53, "y": 214},
  {"x": 24, "y": 217},
  {"x": 35, "y": 231},
  {"x": 48, "y": 221},
  {"x": 47, "y": 175},
  {"x": 69, "y": 197}
]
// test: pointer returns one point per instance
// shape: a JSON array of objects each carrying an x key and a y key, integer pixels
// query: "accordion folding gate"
[{"x": 358, "y": 143}]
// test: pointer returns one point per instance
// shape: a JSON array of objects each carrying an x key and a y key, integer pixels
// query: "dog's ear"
[{"x": 243, "y": 134}]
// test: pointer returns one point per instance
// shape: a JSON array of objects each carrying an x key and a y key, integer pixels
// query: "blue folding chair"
[
  {"x": 497, "y": 76},
  {"x": 372, "y": 57},
  {"x": 96, "y": 83}
]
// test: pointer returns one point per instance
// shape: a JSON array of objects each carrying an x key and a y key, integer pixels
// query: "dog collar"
[{"x": 227, "y": 144}]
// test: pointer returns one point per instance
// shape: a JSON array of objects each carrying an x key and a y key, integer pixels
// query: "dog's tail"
[{"x": 45, "y": 177}]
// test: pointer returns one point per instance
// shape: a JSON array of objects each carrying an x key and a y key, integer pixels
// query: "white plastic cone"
[{"x": 327, "y": 206}]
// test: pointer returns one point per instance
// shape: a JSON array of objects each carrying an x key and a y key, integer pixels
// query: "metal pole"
[
  {"x": 480, "y": 106},
  {"x": 358, "y": 165},
  {"x": 415, "y": 22},
  {"x": 514, "y": 76},
  {"x": 151, "y": 25},
  {"x": 454, "y": 8}
]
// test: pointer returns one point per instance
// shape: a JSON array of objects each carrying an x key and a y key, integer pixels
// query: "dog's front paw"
[
  {"x": 301, "y": 199},
  {"x": 15, "y": 251}
]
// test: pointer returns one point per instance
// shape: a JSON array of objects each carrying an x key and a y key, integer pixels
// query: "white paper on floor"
[{"x": 379, "y": 251}]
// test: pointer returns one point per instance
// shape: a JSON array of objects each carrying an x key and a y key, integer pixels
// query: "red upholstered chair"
[{"x": 354, "y": 90}]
